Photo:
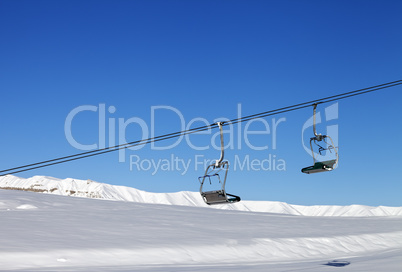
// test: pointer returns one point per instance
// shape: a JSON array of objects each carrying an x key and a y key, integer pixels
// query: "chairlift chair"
[
  {"x": 212, "y": 175},
  {"x": 321, "y": 166}
]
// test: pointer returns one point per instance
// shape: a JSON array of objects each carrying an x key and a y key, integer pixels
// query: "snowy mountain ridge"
[{"x": 93, "y": 189}]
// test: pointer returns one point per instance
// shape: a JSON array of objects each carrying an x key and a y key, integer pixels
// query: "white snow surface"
[
  {"x": 92, "y": 189},
  {"x": 59, "y": 233}
]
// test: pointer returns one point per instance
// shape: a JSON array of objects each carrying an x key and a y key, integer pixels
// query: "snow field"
[{"x": 78, "y": 234}]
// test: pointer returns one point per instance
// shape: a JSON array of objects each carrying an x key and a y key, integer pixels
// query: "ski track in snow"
[{"x": 48, "y": 232}]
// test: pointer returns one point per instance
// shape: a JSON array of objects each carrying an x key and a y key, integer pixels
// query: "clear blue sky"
[{"x": 203, "y": 58}]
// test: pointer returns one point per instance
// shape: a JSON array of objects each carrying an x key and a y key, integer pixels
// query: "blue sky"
[{"x": 203, "y": 59}]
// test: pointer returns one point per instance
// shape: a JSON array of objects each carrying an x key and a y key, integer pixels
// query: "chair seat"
[
  {"x": 219, "y": 197},
  {"x": 319, "y": 167}
]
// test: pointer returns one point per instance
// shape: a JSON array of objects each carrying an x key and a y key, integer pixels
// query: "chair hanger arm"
[{"x": 218, "y": 162}]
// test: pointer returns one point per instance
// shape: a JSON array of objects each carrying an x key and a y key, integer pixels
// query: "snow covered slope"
[
  {"x": 92, "y": 189},
  {"x": 44, "y": 232}
]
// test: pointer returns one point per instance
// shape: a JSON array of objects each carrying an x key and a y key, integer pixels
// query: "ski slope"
[
  {"x": 92, "y": 189},
  {"x": 45, "y": 232}
]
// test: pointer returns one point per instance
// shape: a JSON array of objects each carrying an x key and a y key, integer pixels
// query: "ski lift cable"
[
  {"x": 87, "y": 154},
  {"x": 138, "y": 143},
  {"x": 321, "y": 101},
  {"x": 211, "y": 126},
  {"x": 117, "y": 147},
  {"x": 75, "y": 157}
]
